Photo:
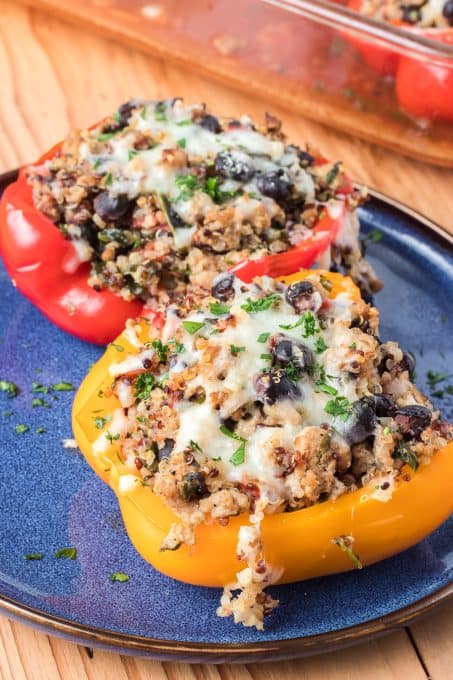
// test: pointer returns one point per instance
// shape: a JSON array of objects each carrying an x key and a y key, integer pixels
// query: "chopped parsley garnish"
[
  {"x": 404, "y": 452},
  {"x": 309, "y": 324},
  {"x": 9, "y": 388},
  {"x": 218, "y": 309},
  {"x": 434, "y": 378},
  {"x": 112, "y": 437},
  {"x": 119, "y": 577},
  {"x": 144, "y": 113},
  {"x": 39, "y": 401},
  {"x": 144, "y": 385},
  {"x": 38, "y": 387},
  {"x": 108, "y": 178},
  {"x": 160, "y": 112},
  {"x": 339, "y": 407},
  {"x": 238, "y": 456},
  {"x": 63, "y": 387},
  {"x": 100, "y": 421},
  {"x": 288, "y": 327},
  {"x": 20, "y": 429},
  {"x": 213, "y": 190},
  {"x": 96, "y": 163},
  {"x": 119, "y": 348},
  {"x": 235, "y": 349},
  {"x": 181, "y": 143},
  {"x": 131, "y": 154},
  {"x": 324, "y": 387},
  {"x": 192, "y": 326},
  {"x": 261, "y": 305},
  {"x": 184, "y": 122},
  {"x": 195, "y": 445},
  {"x": 187, "y": 184},
  {"x": 266, "y": 357},
  {"x": 345, "y": 546},
  {"x": 68, "y": 553},
  {"x": 353, "y": 345},
  {"x": 179, "y": 347},
  {"x": 104, "y": 136},
  {"x": 161, "y": 350},
  {"x": 320, "y": 345},
  {"x": 326, "y": 283},
  {"x": 263, "y": 337},
  {"x": 32, "y": 557}
]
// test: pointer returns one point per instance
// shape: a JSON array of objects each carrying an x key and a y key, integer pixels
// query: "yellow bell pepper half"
[{"x": 302, "y": 541}]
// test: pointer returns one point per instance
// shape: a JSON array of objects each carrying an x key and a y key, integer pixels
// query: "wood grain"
[{"x": 55, "y": 76}]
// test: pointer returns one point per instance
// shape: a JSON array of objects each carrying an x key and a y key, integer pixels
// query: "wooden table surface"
[{"x": 53, "y": 77}]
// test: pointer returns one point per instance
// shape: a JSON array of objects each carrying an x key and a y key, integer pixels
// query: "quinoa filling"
[
  {"x": 162, "y": 195},
  {"x": 267, "y": 398},
  {"x": 422, "y": 13}
]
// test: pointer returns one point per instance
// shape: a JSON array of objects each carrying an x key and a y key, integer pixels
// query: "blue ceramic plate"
[{"x": 50, "y": 498}]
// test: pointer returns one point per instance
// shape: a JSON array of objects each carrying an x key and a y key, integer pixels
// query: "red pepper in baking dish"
[
  {"x": 46, "y": 269},
  {"x": 423, "y": 89}
]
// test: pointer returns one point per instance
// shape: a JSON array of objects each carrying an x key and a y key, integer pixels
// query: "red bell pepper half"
[
  {"x": 45, "y": 268},
  {"x": 422, "y": 88}
]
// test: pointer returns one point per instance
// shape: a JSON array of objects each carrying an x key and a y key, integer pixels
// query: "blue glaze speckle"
[{"x": 50, "y": 498}]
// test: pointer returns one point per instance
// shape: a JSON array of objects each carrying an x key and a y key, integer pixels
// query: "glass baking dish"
[{"x": 318, "y": 58}]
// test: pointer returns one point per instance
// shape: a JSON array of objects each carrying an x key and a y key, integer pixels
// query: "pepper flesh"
[
  {"x": 44, "y": 265},
  {"x": 423, "y": 89},
  {"x": 301, "y": 541}
]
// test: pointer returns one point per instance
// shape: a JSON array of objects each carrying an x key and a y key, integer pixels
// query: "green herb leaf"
[
  {"x": 184, "y": 122},
  {"x": 187, "y": 184},
  {"x": 218, "y": 309},
  {"x": 179, "y": 347},
  {"x": 288, "y": 327},
  {"x": 339, "y": 407},
  {"x": 144, "y": 113},
  {"x": 112, "y": 437},
  {"x": 33, "y": 556},
  {"x": 232, "y": 435},
  {"x": 20, "y": 429},
  {"x": 119, "y": 577},
  {"x": 263, "y": 337},
  {"x": 234, "y": 349},
  {"x": 344, "y": 544},
  {"x": 160, "y": 112},
  {"x": 320, "y": 345},
  {"x": 404, "y": 452},
  {"x": 105, "y": 136},
  {"x": 9, "y": 388},
  {"x": 262, "y": 304},
  {"x": 108, "y": 179},
  {"x": 323, "y": 387},
  {"x": 238, "y": 456},
  {"x": 144, "y": 385},
  {"x": 161, "y": 350},
  {"x": 131, "y": 154},
  {"x": 37, "y": 387},
  {"x": 309, "y": 324},
  {"x": 266, "y": 357},
  {"x": 194, "y": 445},
  {"x": 63, "y": 387},
  {"x": 353, "y": 345},
  {"x": 181, "y": 143},
  {"x": 119, "y": 348},
  {"x": 39, "y": 401},
  {"x": 192, "y": 326},
  {"x": 68, "y": 553},
  {"x": 100, "y": 422}
]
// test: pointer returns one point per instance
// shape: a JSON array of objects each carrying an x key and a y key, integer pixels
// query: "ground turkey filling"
[
  {"x": 161, "y": 195},
  {"x": 268, "y": 398},
  {"x": 423, "y": 13}
]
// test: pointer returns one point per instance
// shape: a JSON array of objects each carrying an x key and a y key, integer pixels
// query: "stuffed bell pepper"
[
  {"x": 265, "y": 435},
  {"x": 124, "y": 216},
  {"x": 424, "y": 89}
]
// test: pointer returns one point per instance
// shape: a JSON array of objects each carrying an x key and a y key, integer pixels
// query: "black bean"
[
  {"x": 412, "y": 420},
  {"x": 194, "y": 486},
  {"x": 234, "y": 165},
  {"x": 447, "y": 11},
  {"x": 211, "y": 123},
  {"x": 276, "y": 385},
  {"x": 385, "y": 406},
  {"x": 305, "y": 159},
  {"x": 288, "y": 351},
  {"x": 275, "y": 185},
  {"x": 302, "y": 296},
  {"x": 166, "y": 450},
  {"x": 110, "y": 207},
  {"x": 125, "y": 112},
  {"x": 408, "y": 364},
  {"x": 223, "y": 286},
  {"x": 361, "y": 423}
]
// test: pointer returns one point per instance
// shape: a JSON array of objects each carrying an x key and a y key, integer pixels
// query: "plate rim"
[{"x": 210, "y": 652}]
